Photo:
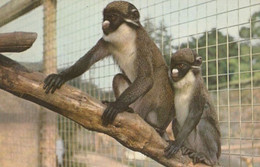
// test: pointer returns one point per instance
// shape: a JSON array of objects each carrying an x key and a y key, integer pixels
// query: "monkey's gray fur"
[{"x": 196, "y": 128}]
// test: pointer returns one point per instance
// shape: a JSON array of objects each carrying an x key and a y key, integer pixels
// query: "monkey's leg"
[
  {"x": 120, "y": 84},
  {"x": 196, "y": 156},
  {"x": 207, "y": 145},
  {"x": 175, "y": 127},
  {"x": 189, "y": 145}
]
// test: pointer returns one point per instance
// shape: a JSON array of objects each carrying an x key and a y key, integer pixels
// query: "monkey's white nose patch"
[
  {"x": 105, "y": 24},
  {"x": 175, "y": 72}
]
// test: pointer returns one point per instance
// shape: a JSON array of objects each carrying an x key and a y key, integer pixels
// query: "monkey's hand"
[
  {"x": 111, "y": 112},
  {"x": 53, "y": 82},
  {"x": 129, "y": 109},
  {"x": 172, "y": 148}
]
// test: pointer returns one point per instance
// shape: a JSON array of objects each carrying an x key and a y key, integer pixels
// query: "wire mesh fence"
[{"x": 224, "y": 32}]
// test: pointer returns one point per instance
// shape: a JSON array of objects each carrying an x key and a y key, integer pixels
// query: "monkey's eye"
[
  {"x": 181, "y": 65},
  {"x": 113, "y": 17}
]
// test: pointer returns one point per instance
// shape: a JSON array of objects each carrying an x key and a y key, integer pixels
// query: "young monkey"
[{"x": 196, "y": 130}]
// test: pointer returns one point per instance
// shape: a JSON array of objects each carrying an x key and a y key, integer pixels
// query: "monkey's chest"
[
  {"x": 126, "y": 62},
  {"x": 182, "y": 102},
  {"x": 184, "y": 90}
]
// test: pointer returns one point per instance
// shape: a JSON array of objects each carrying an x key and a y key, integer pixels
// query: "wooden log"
[
  {"x": 49, "y": 37},
  {"x": 129, "y": 129},
  {"x": 16, "y": 41},
  {"x": 48, "y": 120},
  {"x": 16, "y": 8}
]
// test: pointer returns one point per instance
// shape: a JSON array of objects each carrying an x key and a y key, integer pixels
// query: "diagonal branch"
[{"x": 129, "y": 129}]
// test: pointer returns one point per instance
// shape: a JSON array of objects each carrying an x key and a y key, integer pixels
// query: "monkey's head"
[
  {"x": 119, "y": 12},
  {"x": 182, "y": 62}
]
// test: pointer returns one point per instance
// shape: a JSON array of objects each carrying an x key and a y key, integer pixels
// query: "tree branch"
[
  {"x": 16, "y": 41},
  {"x": 129, "y": 129}
]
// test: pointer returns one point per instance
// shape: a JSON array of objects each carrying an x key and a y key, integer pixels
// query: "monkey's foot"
[
  {"x": 200, "y": 158},
  {"x": 186, "y": 151},
  {"x": 172, "y": 148}
]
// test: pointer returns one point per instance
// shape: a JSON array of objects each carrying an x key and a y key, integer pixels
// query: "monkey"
[
  {"x": 197, "y": 132},
  {"x": 143, "y": 86}
]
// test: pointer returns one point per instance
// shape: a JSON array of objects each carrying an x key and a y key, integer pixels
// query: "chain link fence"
[{"x": 224, "y": 32}]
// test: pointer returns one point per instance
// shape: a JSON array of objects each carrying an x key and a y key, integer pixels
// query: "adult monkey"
[{"x": 143, "y": 84}]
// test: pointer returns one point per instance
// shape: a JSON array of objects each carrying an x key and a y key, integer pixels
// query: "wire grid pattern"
[
  {"x": 19, "y": 119},
  {"x": 224, "y": 32}
]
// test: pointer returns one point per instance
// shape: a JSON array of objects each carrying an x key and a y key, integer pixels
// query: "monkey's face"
[
  {"x": 179, "y": 70},
  {"x": 111, "y": 21},
  {"x": 182, "y": 62},
  {"x": 119, "y": 12}
]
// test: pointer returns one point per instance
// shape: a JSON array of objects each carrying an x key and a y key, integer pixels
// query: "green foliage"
[
  {"x": 255, "y": 27},
  {"x": 217, "y": 52}
]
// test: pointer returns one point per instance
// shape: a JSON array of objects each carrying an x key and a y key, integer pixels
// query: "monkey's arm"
[
  {"x": 142, "y": 84},
  {"x": 175, "y": 127},
  {"x": 138, "y": 88},
  {"x": 98, "y": 52},
  {"x": 192, "y": 120}
]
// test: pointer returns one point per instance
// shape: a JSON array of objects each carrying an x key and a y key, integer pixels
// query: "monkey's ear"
[
  {"x": 198, "y": 61},
  {"x": 135, "y": 14},
  {"x": 134, "y": 17}
]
